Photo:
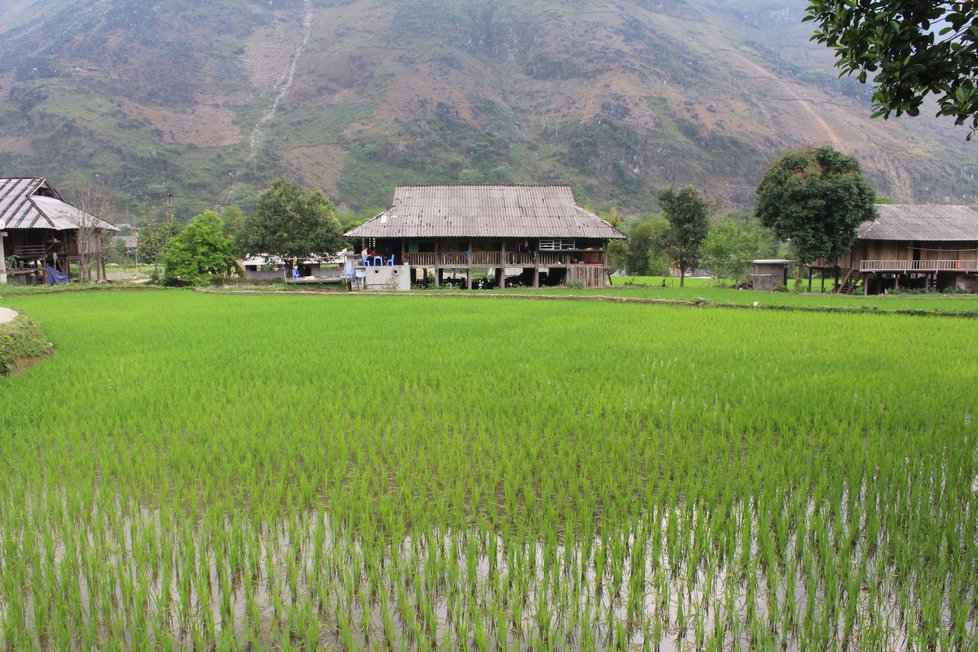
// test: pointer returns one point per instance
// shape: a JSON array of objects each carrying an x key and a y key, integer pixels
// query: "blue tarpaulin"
[{"x": 55, "y": 277}]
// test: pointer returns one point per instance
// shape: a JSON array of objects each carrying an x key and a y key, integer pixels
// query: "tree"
[
  {"x": 913, "y": 48},
  {"x": 816, "y": 198},
  {"x": 291, "y": 222},
  {"x": 199, "y": 252},
  {"x": 732, "y": 244},
  {"x": 617, "y": 249},
  {"x": 91, "y": 201},
  {"x": 153, "y": 240},
  {"x": 646, "y": 247},
  {"x": 233, "y": 224},
  {"x": 688, "y": 214}
]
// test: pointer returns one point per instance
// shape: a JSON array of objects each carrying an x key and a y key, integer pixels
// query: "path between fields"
[
  {"x": 7, "y": 315},
  {"x": 698, "y": 303}
]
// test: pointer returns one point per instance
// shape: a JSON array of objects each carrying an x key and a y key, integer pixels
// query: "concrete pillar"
[{"x": 536, "y": 276}]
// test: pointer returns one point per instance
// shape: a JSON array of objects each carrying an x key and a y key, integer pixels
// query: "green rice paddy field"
[{"x": 347, "y": 472}]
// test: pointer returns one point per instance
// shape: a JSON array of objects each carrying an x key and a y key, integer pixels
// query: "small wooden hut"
[
  {"x": 43, "y": 235},
  {"x": 526, "y": 235}
]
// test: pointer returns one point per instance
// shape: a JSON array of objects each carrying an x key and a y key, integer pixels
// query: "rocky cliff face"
[{"x": 211, "y": 100}]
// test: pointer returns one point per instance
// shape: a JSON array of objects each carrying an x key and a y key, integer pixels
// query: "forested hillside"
[{"x": 211, "y": 100}]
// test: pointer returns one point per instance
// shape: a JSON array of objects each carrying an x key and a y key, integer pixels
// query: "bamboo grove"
[{"x": 226, "y": 472}]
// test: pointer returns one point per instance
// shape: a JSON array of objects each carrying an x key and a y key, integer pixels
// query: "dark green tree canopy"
[
  {"x": 199, "y": 252},
  {"x": 816, "y": 198},
  {"x": 912, "y": 48},
  {"x": 689, "y": 221},
  {"x": 291, "y": 221}
]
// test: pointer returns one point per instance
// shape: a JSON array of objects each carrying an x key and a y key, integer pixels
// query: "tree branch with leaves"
[{"x": 912, "y": 49}]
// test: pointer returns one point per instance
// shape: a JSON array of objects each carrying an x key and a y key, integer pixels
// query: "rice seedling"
[{"x": 221, "y": 472}]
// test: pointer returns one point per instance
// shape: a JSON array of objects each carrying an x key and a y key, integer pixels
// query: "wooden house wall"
[
  {"x": 885, "y": 250},
  {"x": 949, "y": 250}
]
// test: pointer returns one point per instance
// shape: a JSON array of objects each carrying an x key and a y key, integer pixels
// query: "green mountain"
[{"x": 209, "y": 101}]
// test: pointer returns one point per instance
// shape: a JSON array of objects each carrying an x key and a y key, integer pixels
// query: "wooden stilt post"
[
  {"x": 437, "y": 264},
  {"x": 810, "y": 272},
  {"x": 3, "y": 261},
  {"x": 501, "y": 274},
  {"x": 866, "y": 285}
]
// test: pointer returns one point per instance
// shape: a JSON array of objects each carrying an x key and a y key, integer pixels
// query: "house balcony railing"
[
  {"x": 501, "y": 259},
  {"x": 918, "y": 266}
]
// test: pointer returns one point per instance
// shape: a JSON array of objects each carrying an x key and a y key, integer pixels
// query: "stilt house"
[
  {"x": 43, "y": 236},
  {"x": 914, "y": 247},
  {"x": 525, "y": 235}
]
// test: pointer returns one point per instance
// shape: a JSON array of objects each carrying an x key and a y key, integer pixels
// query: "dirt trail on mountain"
[{"x": 805, "y": 104}]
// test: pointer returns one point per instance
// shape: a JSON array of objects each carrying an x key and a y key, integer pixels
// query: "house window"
[{"x": 557, "y": 244}]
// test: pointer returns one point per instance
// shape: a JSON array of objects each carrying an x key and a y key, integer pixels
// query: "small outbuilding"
[{"x": 769, "y": 273}]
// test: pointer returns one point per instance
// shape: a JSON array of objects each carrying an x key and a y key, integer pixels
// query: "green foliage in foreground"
[
  {"x": 20, "y": 339},
  {"x": 358, "y": 472}
]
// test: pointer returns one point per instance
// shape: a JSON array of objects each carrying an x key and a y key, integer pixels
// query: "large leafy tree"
[
  {"x": 816, "y": 198},
  {"x": 291, "y": 222},
  {"x": 199, "y": 252},
  {"x": 912, "y": 48},
  {"x": 688, "y": 214}
]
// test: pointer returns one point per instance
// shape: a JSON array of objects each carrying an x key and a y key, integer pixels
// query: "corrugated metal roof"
[
  {"x": 485, "y": 212},
  {"x": 924, "y": 222},
  {"x": 22, "y": 207}
]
